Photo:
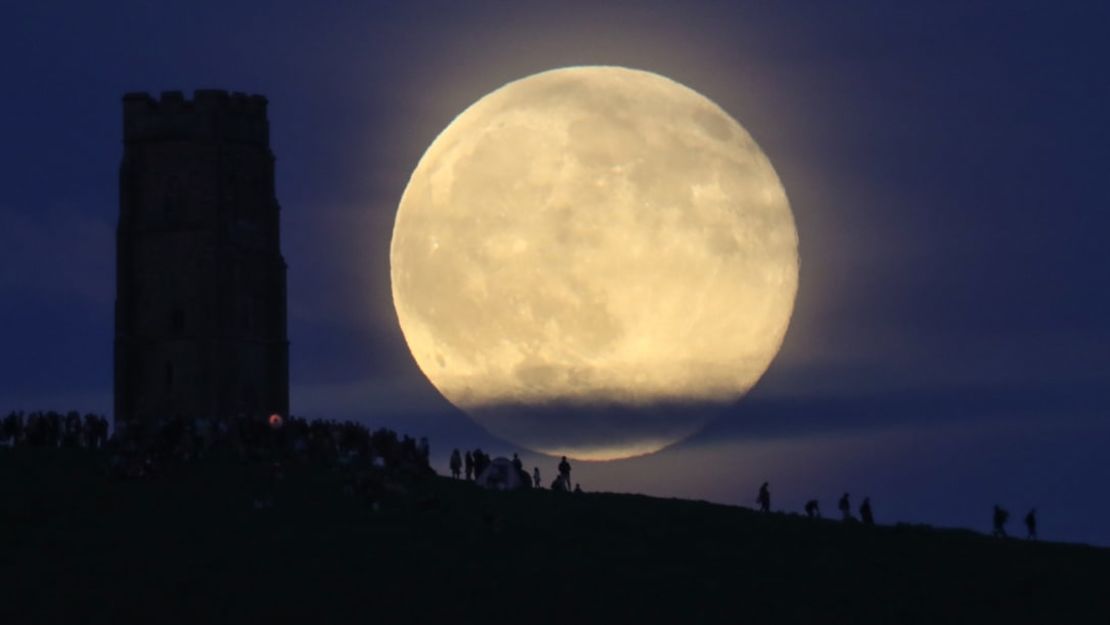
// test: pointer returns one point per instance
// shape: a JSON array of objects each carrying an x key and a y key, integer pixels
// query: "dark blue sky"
[{"x": 945, "y": 164}]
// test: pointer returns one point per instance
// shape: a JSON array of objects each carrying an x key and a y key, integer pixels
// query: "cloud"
[
  {"x": 764, "y": 417},
  {"x": 595, "y": 430}
]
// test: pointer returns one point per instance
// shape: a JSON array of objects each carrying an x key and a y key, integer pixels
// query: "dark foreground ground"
[{"x": 77, "y": 546}]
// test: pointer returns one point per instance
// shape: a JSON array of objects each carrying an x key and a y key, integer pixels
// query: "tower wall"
[{"x": 200, "y": 285}]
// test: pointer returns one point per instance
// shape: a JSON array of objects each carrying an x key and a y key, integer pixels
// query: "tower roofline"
[{"x": 211, "y": 115}]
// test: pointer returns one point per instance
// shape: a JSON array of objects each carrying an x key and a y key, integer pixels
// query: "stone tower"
[{"x": 200, "y": 280}]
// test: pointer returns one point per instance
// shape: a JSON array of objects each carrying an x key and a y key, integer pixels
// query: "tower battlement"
[{"x": 212, "y": 115}]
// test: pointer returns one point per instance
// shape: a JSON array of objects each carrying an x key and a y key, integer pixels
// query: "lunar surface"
[{"x": 589, "y": 260}]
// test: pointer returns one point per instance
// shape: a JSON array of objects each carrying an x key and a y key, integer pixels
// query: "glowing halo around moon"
[{"x": 585, "y": 254}]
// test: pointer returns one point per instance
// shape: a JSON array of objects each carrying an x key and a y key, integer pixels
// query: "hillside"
[{"x": 188, "y": 546}]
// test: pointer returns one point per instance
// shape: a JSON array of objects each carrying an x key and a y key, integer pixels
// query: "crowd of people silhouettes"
[
  {"x": 471, "y": 464},
  {"x": 54, "y": 429},
  {"x": 143, "y": 452},
  {"x": 136, "y": 453}
]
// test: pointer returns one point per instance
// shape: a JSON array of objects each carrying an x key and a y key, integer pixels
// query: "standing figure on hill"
[
  {"x": 71, "y": 430},
  {"x": 517, "y": 464},
  {"x": 7, "y": 433},
  {"x": 536, "y": 477},
  {"x": 764, "y": 498},
  {"x": 456, "y": 464},
  {"x": 1031, "y": 524},
  {"x": 865, "y": 512},
  {"x": 564, "y": 471},
  {"x": 845, "y": 507},
  {"x": 469, "y": 466},
  {"x": 1000, "y": 518},
  {"x": 813, "y": 509},
  {"x": 89, "y": 431},
  {"x": 102, "y": 432},
  {"x": 481, "y": 461},
  {"x": 477, "y": 454},
  {"x": 13, "y": 428}
]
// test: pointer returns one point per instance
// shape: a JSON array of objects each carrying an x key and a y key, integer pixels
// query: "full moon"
[{"x": 588, "y": 260}]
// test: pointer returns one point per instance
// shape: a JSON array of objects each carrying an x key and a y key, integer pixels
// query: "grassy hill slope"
[{"x": 77, "y": 546}]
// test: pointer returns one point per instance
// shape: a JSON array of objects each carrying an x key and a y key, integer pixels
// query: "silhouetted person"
[
  {"x": 845, "y": 507},
  {"x": 1000, "y": 518},
  {"x": 13, "y": 428},
  {"x": 517, "y": 464},
  {"x": 9, "y": 430},
  {"x": 481, "y": 461},
  {"x": 456, "y": 464},
  {"x": 469, "y": 461},
  {"x": 564, "y": 471},
  {"x": 865, "y": 512},
  {"x": 536, "y": 477},
  {"x": 102, "y": 432},
  {"x": 813, "y": 509},
  {"x": 578, "y": 488},
  {"x": 90, "y": 431},
  {"x": 71, "y": 430},
  {"x": 1031, "y": 524},
  {"x": 764, "y": 498}
]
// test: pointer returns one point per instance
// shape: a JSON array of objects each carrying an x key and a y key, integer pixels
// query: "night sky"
[{"x": 945, "y": 163}]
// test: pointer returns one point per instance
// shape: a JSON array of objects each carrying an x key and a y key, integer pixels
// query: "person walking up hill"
[
  {"x": 865, "y": 514},
  {"x": 764, "y": 498},
  {"x": 845, "y": 507},
  {"x": 1000, "y": 518}
]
